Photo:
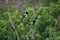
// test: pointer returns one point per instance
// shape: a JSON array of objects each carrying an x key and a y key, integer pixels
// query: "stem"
[
  {"x": 26, "y": 34},
  {"x": 12, "y": 25},
  {"x": 33, "y": 34},
  {"x": 27, "y": 37}
]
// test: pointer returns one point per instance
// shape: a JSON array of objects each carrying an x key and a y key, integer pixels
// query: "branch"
[
  {"x": 13, "y": 27},
  {"x": 33, "y": 35},
  {"x": 26, "y": 34},
  {"x": 27, "y": 37}
]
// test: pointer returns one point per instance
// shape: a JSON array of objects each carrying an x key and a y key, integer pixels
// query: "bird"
[
  {"x": 25, "y": 14},
  {"x": 32, "y": 22}
]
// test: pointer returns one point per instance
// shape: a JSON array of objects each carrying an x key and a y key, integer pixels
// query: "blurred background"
[
  {"x": 29, "y": 19},
  {"x": 23, "y": 4}
]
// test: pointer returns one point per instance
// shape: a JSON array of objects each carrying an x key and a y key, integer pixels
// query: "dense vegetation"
[{"x": 46, "y": 27}]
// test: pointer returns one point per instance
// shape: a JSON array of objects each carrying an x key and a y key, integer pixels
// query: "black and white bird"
[
  {"x": 32, "y": 22},
  {"x": 25, "y": 14}
]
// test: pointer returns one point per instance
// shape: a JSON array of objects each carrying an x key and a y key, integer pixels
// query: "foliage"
[{"x": 45, "y": 27}]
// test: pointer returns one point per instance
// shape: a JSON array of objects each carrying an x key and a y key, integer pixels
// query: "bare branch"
[
  {"x": 33, "y": 35},
  {"x": 13, "y": 27},
  {"x": 27, "y": 37}
]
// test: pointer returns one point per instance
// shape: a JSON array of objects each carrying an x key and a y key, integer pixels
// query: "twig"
[
  {"x": 33, "y": 35},
  {"x": 12, "y": 25},
  {"x": 27, "y": 37}
]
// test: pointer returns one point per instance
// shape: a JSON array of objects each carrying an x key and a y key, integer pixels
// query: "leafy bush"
[{"x": 44, "y": 27}]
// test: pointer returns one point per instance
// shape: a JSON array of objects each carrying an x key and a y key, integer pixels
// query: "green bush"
[{"x": 44, "y": 26}]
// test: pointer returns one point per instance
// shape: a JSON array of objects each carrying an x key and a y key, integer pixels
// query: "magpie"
[
  {"x": 25, "y": 14},
  {"x": 32, "y": 22}
]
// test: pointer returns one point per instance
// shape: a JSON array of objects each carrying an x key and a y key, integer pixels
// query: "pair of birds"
[{"x": 25, "y": 15}]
